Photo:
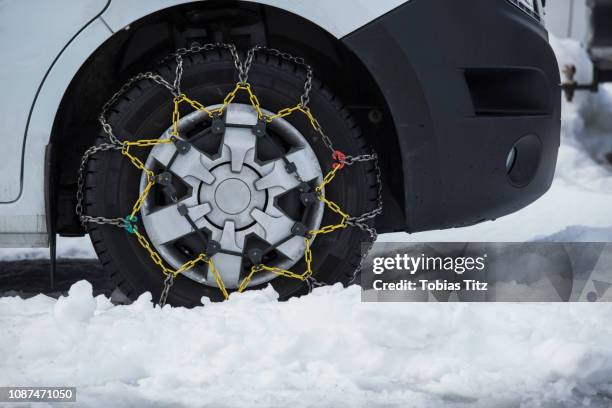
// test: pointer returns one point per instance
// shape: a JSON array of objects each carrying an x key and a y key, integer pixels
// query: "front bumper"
[{"x": 465, "y": 81}]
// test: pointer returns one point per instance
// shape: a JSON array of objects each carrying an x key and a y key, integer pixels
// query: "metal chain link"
[
  {"x": 103, "y": 118},
  {"x": 196, "y": 48},
  {"x": 168, "y": 282},
  {"x": 362, "y": 222},
  {"x": 370, "y": 215},
  {"x": 326, "y": 140},
  {"x": 305, "y": 97},
  {"x": 84, "y": 219},
  {"x": 313, "y": 283},
  {"x": 178, "y": 75}
]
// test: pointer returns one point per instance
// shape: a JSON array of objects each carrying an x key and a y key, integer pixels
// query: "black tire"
[{"x": 145, "y": 111}]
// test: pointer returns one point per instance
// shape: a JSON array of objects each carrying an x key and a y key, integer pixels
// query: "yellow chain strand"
[
  {"x": 203, "y": 258},
  {"x": 185, "y": 267},
  {"x": 281, "y": 272},
  {"x": 147, "y": 142},
  {"x": 315, "y": 123},
  {"x": 197, "y": 106},
  {"x": 212, "y": 269},
  {"x": 142, "y": 198},
  {"x": 282, "y": 113},
  {"x": 152, "y": 253}
]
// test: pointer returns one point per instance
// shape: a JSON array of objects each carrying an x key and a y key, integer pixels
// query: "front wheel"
[{"x": 245, "y": 192}]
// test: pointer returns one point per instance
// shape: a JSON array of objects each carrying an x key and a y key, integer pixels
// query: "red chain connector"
[{"x": 340, "y": 158}]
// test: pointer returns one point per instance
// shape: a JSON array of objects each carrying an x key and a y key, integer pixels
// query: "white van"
[{"x": 459, "y": 100}]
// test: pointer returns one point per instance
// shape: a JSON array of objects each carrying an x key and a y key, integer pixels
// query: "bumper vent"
[{"x": 508, "y": 91}]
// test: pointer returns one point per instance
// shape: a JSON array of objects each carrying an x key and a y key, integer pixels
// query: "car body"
[{"x": 461, "y": 99}]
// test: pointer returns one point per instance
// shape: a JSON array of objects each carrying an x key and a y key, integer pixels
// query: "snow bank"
[
  {"x": 586, "y": 127},
  {"x": 79, "y": 305},
  {"x": 327, "y": 349}
]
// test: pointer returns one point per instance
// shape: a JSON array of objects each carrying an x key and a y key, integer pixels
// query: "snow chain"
[{"x": 129, "y": 222}]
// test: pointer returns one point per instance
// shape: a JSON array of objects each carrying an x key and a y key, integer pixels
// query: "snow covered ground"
[
  {"x": 324, "y": 350},
  {"x": 329, "y": 349}
]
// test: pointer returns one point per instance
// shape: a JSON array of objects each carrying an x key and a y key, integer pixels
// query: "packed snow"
[
  {"x": 323, "y": 350},
  {"x": 329, "y": 349}
]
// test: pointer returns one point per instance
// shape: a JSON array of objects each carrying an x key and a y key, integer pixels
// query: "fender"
[
  {"x": 31, "y": 42},
  {"x": 26, "y": 71},
  {"x": 23, "y": 222},
  {"x": 23, "y": 218},
  {"x": 338, "y": 17}
]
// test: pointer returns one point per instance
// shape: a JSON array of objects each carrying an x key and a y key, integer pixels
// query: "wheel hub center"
[{"x": 233, "y": 196}]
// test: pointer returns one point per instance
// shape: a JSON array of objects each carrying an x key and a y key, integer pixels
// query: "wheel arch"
[{"x": 155, "y": 34}]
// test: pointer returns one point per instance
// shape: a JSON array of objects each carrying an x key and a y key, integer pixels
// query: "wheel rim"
[{"x": 238, "y": 193}]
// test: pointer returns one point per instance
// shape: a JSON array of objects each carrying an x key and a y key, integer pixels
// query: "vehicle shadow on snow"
[{"x": 28, "y": 278}]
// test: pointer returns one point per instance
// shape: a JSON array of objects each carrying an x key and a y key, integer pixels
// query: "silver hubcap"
[{"x": 232, "y": 196}]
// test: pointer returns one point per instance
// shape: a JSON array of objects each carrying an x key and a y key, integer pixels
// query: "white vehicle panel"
[
  {"x": 32, "y": 34},
  {"x": 22, "y": 223}
]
